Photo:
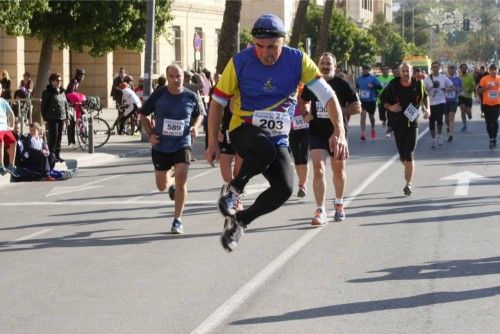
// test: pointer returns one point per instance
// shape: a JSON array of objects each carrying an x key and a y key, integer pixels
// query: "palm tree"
[
  {"x": 298, "y": 22},
  {"x": 324, "y": 28},
  {"x": 229, "y": 33}
]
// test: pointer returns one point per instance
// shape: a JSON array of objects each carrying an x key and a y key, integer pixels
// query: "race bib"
[
  {"x": 493, "y": 94},
  {"x": 173, "y": 127},
  {"x": 364, "y": 94},
  {"x": 321, "y": 111},
  {"x": 451, "y": 95},
  {"x": 411, "y": 112},
  {"x": 273, "y": 123},
  {"x": 299, "y": 123}
]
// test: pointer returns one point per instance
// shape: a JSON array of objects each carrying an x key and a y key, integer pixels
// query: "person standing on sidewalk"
[
  {"x": 321, "y": 129},
  {"x": 489, "y": 88},
  {"x": 74, "y": 87},
  {"x": 7, "y": 122},
  {"x": 264, "y": 79},
  {"x": 173, "y": 107},
  {"x": 55, "y": 112},
  {"x": 402, "y": 98},
  {"x": 367, "y": 86}
]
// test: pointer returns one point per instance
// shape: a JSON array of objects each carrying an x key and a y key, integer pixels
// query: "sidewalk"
[{"x": 118, "y": 146}]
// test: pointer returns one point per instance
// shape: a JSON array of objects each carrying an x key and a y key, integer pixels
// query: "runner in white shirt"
[
  {"x": 437, "y": 85},
  {"x": 132, "y": 103}
]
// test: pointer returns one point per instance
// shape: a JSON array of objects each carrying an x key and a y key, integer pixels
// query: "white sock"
[
  {"x": 339, "y": 201},
  {"x": 322, "y": 208}
]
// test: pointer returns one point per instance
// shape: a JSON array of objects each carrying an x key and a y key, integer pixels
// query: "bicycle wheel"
[
  {"x": 101, "y": 131},
  {"x": 82, "y": 139}
]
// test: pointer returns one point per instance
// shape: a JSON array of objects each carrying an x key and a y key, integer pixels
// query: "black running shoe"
[{"x": 233, "y": 231}]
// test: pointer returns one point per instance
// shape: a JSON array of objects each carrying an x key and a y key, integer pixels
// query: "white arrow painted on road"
[
  {"x": 83, "y": 187},
  {"x": 463, "y": 181}
]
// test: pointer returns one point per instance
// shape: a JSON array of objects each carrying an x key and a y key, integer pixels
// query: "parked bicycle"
[{"x": 100, "y": 128}]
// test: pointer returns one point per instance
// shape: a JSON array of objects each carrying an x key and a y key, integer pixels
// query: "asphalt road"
[{"x": 94, "y": 254}]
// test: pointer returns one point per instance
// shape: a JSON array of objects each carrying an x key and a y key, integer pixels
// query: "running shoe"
[
  {"x": 228, "y": 200},
  {"x": 464, "y": 128},
  {"x": 363, "y": 137},
  {"x": 233, "y": 231},
  {"x": 171, "y": 192},
  {"x": 301, "y": 192},
  {"x": 320, "y": 218},
  {"x": 407, "y": 190},
  {"x": 373, "y": 134},
  {"x": 440, "y": 142},
  {"x": 492, "y": 144},
  {"x": 177, "y": 227},
  {"x": 450, "y": 138},
  {"x": 12, "y": 170},
  {"x": 3, "y": 171},
  {"x": 339, "y": 213},
  {"x": 387, "y": 134}
]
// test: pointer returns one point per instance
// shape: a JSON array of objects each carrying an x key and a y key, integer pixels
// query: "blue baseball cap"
[{"x": 268, "y": 26}]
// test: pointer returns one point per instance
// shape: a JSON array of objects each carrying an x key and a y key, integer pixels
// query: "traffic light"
[{"x": 466, "y": 24}]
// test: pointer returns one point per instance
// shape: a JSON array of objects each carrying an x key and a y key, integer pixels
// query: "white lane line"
[
  {"x": 59, "y": 190},
  {"x": 32, "y": 235},
  {"x": 233, "y": 303}
]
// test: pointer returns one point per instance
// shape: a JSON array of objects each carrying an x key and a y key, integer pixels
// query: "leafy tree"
[
  {"x": 15, "y": 15},
  {"x": 229, "y": 32},
  {"x": 365, "y": 50},
  {"x": 340, "y": 33},
  {"x": 102, "y": 26},
  {"x": 245, "y": 38}
]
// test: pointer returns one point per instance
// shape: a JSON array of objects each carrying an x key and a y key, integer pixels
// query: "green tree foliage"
[
  {"x": 245, "y": 38},
  {"x": 341, "y": 36},
  {"x": 365, "y": 50},
  {"x": 15, "y": 15},
  {"x": 390, "y": 45},
  {"x": 102, "y": 26}
]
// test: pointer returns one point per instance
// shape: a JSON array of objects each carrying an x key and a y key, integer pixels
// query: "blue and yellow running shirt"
[{"x": 265, "y": 95}]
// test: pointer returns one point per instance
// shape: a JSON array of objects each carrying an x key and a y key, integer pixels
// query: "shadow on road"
[{"x": 425, "y": 299}]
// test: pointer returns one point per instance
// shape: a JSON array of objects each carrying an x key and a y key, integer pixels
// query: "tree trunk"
[
  {"x": 229, "y": 34},
  {"x": 43, "y": 74},
  {"x": 298, "y": 22},
  {"x": 324, "y": 29}
]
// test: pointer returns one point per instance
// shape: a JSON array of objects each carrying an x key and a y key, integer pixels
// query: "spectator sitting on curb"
[{"x": 36, "y": 162}]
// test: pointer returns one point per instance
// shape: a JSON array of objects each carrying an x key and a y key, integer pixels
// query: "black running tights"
[{"x": 260, "y": 156}]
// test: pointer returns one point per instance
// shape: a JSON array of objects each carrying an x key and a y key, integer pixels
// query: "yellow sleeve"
[
  {"x": 228, "y": 83},
  {"x": 309, "y": 69}
]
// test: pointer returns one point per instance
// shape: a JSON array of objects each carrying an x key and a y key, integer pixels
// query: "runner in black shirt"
[
  {"x": 321, "y": 129},
  {"x": 396, "y": 98}
]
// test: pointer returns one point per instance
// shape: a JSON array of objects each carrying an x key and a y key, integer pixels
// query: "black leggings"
[
  {"x": 299, "y": 143},
  {"x": 491, "y": 114},
  {"x": 406, "y": 140},
  {"x": 55, "y": 129},
  {"x": 260, "y": 156},
  {"x": 437, "y": 113}
]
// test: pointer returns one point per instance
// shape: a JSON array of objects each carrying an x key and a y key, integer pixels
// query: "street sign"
[{"x": 197, "y": 42}]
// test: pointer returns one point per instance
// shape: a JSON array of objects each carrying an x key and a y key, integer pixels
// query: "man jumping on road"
[{"x": 263, "y": 80}]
